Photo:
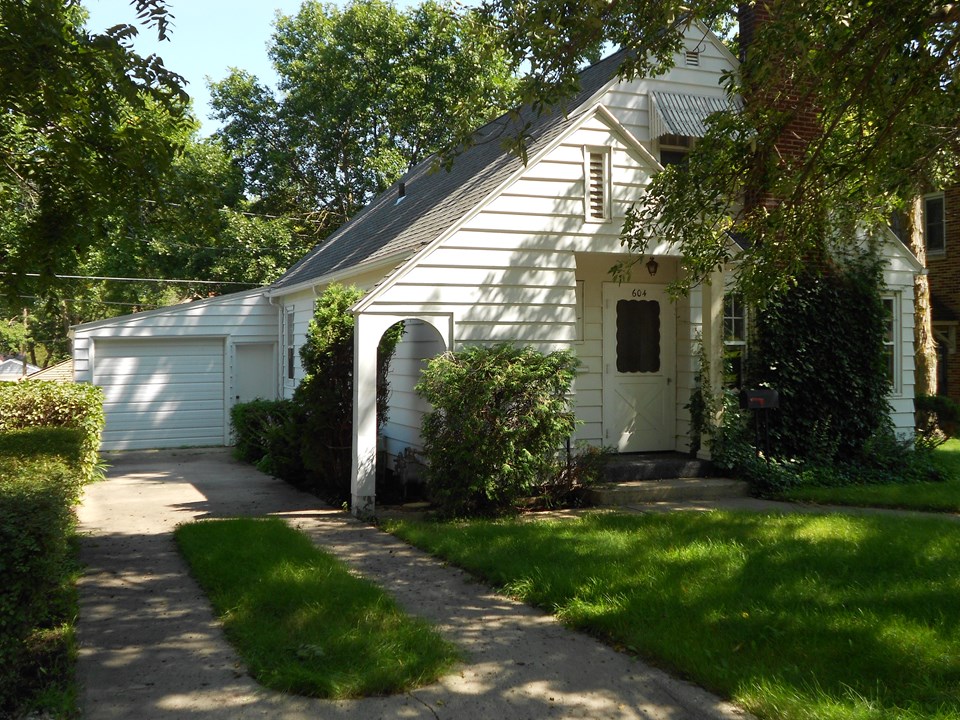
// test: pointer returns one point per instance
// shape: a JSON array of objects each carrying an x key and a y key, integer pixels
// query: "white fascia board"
[
  {"x": 455, "y": 227},
  {"x": 166, "y": 310},
  {"x": 633, "y": 146},
  {"x": 890, "y": 238}
]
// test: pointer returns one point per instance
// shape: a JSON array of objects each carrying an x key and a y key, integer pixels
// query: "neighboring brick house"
[{"x": 942, "y": 234}]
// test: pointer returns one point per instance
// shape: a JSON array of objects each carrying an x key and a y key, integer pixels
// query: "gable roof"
[
  {"x": 139, "y": 317},
  {"x": 391, "y": 229},
  {"x": 12, "y": 369},
  {"x": 61, "y": 372}
]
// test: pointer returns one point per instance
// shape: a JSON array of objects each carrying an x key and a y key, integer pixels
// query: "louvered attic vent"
[
  {"x": 692, "y": 58},
  {"x": 598, "y": 204}
]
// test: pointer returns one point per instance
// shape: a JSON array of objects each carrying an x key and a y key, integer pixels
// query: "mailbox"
[{"x": 760, "y": 399}]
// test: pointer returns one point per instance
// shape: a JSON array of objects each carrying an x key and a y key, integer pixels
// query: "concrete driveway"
[{"x": 151, "y": 648}]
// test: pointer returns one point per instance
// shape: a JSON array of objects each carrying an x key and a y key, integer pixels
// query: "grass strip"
[
  {"x": 301, "y": 621},
  {"x": 928, "y": 496},
  {"x": 794, "y": 617}
]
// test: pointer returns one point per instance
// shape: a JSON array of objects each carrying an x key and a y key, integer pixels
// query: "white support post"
[
  {"x": 711, "y": 335},
  {"x": 363, "y": 472}
]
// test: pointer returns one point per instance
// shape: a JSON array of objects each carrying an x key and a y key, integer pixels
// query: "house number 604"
[{"x": 639, "y": 293}]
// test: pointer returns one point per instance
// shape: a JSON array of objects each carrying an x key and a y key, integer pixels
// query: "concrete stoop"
[
  {"x": 661, "y": 477},
  {"x": 636, "y": 492}
]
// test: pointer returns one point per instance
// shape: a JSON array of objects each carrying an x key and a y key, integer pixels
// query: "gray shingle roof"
[{"x": 436, "y": 198}]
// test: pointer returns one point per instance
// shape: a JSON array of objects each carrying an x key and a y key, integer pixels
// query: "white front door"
[{"x": 639, "y": 364}]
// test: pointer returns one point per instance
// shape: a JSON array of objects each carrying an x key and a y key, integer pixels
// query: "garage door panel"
[
  {"x": 114, "y": 372},
  {"x": 197, "y": 416},
  {"x": 139, "y": 408},
  {"x": 161, "y": 392},
  {"x": 126, "y": 367},
  {"x": 152, "y": 439}
]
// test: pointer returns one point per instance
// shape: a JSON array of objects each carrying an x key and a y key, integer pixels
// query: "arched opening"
[
  {"x": 399, "y": 470},
  {"x": 429, "y": 334}
]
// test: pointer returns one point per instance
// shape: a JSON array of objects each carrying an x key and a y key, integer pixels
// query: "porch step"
[
  {"x": 633, "y": 492},
  {"x": 661, "y": 477},
  {"x": 655, "y": 466}
]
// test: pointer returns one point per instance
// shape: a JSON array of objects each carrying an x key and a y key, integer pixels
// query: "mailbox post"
[{"x": 761, "y": 401}]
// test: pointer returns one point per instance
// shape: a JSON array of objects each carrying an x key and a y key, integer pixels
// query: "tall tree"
[
  {"x": 86, "y": 126},
  {"x": 880, "y": 80},
  {"x": 365, "y": 92}
]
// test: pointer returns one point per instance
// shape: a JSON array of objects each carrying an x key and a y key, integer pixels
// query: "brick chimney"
[{"x": 780, "y": 93}]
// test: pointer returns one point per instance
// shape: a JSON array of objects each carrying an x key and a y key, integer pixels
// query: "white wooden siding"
[
  {"x": 898, "y": 277},
  {"x": 420, "y": 343},
  {"x": 303, "y": 302}
]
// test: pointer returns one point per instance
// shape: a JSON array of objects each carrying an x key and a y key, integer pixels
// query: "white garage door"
[{"x": 161, "y": 393}]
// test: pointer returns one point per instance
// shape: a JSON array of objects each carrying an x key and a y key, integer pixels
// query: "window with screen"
[
  {"x": 890, "y": 340},
  {"x": 638, "y": 336},
  {"x": 734, "y": 339},
  {"x": 291, "y": 348}
]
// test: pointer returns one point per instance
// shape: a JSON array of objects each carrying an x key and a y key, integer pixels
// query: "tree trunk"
[{"x": 925, "y": 347}]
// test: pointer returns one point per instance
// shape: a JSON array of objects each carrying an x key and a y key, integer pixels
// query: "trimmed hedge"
[
  {"x": 41, "y": 478},
  {"x": 43, "y": 403}
]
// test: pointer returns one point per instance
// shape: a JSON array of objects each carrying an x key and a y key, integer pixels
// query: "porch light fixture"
[{"x": 652, "y": 266}]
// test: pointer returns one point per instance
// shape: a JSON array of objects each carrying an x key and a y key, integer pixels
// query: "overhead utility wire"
[
  {"x": 304, "y": 218},
  {"x": 127, "y": 279},
  {"x": 97, "y": 302}
]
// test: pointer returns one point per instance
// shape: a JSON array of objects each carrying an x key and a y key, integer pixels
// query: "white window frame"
[
  {"x": 893, "y": 342},
  {"x": 741, "y": 342},
  {"x": 681, "y": 144},
  {"x": 942, "y": 222},
  {"x": 607, "y": 185},
  {"x": 289, "y": 345}
]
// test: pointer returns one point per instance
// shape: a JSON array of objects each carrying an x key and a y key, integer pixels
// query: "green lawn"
[
  {"x": 301, "y": 621},
  {"x": 812, "y": 617},
  {"x": 933, "y": 496}
]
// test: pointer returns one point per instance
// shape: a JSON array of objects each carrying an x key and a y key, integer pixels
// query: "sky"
[{"x": 208, "y": 38}]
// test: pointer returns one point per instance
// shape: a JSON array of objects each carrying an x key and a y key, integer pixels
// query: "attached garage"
[
  {"x": 170, "y": 376},
  {"x": 161, "y": 393}
]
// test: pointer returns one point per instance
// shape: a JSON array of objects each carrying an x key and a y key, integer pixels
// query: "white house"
[{"x": 491, "y": 250}]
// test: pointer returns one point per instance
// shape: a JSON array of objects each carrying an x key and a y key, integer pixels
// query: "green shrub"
[
  {"x": 252, "y": 423},
  {"x": 308, "y": 441},
  {"x": 40, "y": 481},
  {"x": 576, "y": 471},
  {"x": 43, "y": 403},
  {"x": 324, "y": 399},
  {"x": 266, "y": 435},
  {"x": 500, "y": 415},
  {"x": 821, "y": 346}
]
